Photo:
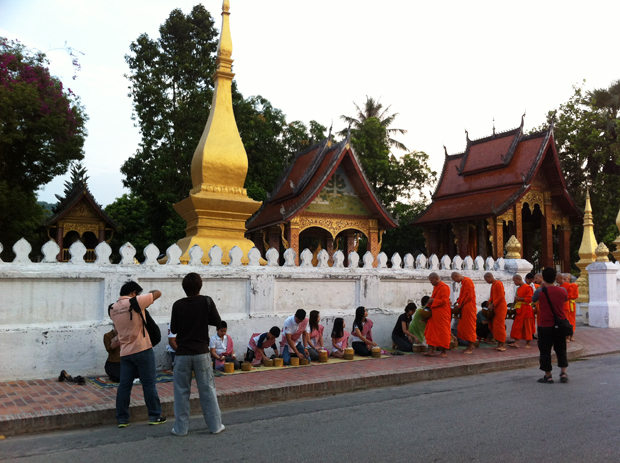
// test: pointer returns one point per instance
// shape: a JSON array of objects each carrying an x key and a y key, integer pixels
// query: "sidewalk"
[{"x": 46, "y": 405}]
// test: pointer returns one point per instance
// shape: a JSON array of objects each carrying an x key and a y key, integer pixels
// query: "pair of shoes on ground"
[
  {"x": 549, "y": 379},
  {"x": 160, "y": 420},
  {"x": 177, "y": 433}
]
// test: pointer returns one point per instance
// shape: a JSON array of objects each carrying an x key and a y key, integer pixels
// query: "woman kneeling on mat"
[
  {"x": 315, "y": 337},
  {"x": 362, "y": 333},
  {"x": 340, "y": 338},
  {"x": 401, "y": 336}
]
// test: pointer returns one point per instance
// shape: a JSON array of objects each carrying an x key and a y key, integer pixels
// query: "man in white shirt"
[
  {"x": 293, "y": 333},
  {"x": 221, "y": 347},
  {"x": 171, "y": 348}
]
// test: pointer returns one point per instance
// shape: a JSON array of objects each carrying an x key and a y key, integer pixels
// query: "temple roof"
[
  {"x": 493, "y": 174},
  {"x": 72, "y": 199},
  {"x": 307, "y": 175}
]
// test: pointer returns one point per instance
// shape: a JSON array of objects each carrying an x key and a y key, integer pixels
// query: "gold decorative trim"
[
  {"x": 81, "y": 228},
  {"x": 335, "y": 225},
  {"x": 508, "y": 216},
  {"x": 533, "y": 198},
  {"x": 284, "y": 241}
]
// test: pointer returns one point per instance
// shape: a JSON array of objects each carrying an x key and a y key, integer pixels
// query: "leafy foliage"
[
  {"x": 77, "y": 179},
  {"x": 128, "y": 213},
  {"x": 400, "y": 182},
  {"x": 41, "y": 132},
  {"x": 587, "y": 135}
]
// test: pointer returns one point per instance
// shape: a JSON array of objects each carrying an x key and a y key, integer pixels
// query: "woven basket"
[
  {"x": 304, "y": 362},
  {"x": 229, "y": 367},
  {"x": 268, "y": 362},
  {"x": 294, "y": 361},
  {"x": 349, "y": 353},
  {"x": 246, "y": 366},
  {"x": 323, "y": 356},
  {"x": 279, "y": 362},
  {"x": 418, "y": 348},
  {"x": 376, "y": 352}
]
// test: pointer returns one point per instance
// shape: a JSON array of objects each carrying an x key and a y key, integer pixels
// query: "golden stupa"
[{"x": 218, "y": 205}]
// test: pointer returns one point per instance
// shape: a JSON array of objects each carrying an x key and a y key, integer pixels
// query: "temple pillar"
[
  {"x": 450, "y": 244},
  {"x": 546, "y": 232},
  {"x": 101, "y": 236},
  {"x": 528, "y": 241},
  {"x": 349, "y": 245},
  {"x": 329, "y": 247},
  {"x": 293, "y": 238},
  {"x": 432, "y": 240},
  {"x": 519, "y": 226},
  {"x": 461, "y": 230},
  {"x": 565, "y": 231},
  {"x": 59, "y": 241},
  {"x": 273, "y": 238},
  {"x": 481, "y": 237},
  {"x": 498, "y": 239},
  {"x": 373, "y": 240}
]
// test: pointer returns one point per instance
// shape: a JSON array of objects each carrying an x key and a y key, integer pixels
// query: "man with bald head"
[
  {"x": 563, "y": 282},
  {"x": 497, "y": 302},
  {"x": 437, "y": 332},
  {"x": 522, "y": 324},
  {"x": 467, "y": 303}
]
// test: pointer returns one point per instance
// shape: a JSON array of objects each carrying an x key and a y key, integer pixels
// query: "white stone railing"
[
  {"x": 604, "y": 289},
  {"x": 53, "y": 315}
]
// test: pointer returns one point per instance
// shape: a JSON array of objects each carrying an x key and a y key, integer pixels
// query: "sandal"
[
  {"x": 546, "y": 379},
  {"x": 564, "y": 378}
]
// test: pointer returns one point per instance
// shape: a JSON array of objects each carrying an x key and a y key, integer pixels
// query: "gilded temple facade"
[
  {"x": 322, "y": 201},
  {"x": 506, "y": 184}
]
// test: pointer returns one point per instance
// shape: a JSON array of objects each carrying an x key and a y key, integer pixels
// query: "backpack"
[{"x": 148, "y": 323}]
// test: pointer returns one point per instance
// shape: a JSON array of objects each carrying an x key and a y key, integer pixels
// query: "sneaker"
[
  {"x": 219, "y": 430},
  {"x": 160, "y": 420},
  {"x": 177, "y": 433},
  {"x": 123, "y": 425}
]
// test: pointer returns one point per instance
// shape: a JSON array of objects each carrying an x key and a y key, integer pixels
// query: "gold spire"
[
  {"x": 514, "y": 248},
  {"x": 218, "y": 205},
  {"x": 220, "y": 159},
  {"x": 587, "y": 251}
]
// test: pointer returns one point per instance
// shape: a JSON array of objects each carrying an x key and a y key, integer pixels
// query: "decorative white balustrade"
[{"x": 103, "y": 251}]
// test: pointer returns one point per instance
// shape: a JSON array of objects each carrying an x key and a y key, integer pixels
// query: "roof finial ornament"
[
  {"x": 467, "y": 136},
  {"x": 445, "y": 150},
  {"x": 494, "y": 126},
  {"x": 523, "y": 118},
  {"x": 329, "y": 136}
]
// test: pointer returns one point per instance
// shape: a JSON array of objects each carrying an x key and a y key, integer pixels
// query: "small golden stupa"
[
  {"x": 218, "y": 205},
  {"x": 587, "y": 252}
]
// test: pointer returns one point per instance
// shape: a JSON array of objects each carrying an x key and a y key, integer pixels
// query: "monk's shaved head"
[
  {"x": 538, "y": 279},
  {"x": 456, "y": 276},
  {"x": 518, "y": 280},
  {"x": 489, "y": 278},
  {"x": 434, "y": 278}
]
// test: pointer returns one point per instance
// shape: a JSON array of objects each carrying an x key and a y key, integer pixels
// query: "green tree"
[
  {"x": 77, "y": 178},
  {"x": 171, "y": 87},
  {"x": 133, "y": 226},
  {"x": 374, "y": 109},
  {"x": 587, "y": 132},
  {"x": 41, "y": 132}
]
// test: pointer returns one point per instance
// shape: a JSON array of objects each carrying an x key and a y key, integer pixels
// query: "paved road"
[{"x": 496, "y": 417}]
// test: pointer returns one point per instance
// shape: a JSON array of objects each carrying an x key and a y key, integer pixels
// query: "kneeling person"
[
  {"x": 221, "y": 347},
  {"x": 258, "y": 344}
]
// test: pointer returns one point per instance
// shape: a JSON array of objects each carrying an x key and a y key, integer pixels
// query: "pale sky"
[{"x": 443, "y": 66}]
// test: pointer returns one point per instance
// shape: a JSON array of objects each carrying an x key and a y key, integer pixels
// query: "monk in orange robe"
[
  {"x": 562, "y": 280},
  {"x": 437, "y": 332},
  {"x": 467, "y": 303},
  {"x": 497, "y": 302},
  {"x": 530, "y": 279},
  {"x": 573, "y": 294},
  {"x": 522, "y": 324}
]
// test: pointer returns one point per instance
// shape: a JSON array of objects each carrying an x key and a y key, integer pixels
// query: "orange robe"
[
  {"x": 437, "y": 332},
  {"x": 573, "y": 294},
  {"x": 467, "y": 301},
  {"x": 535, "y": 305},
  {"x": 522, "y": 324},
  {"x": 498, "y": 322},
  {"x": 567, "y": 305}
]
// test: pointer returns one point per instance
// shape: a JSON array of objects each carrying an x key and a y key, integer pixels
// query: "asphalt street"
[{"x": 495, "y": 417}]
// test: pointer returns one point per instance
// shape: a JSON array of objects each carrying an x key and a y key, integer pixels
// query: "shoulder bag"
[
  {"x": 566, "y": 329},
  {"x": 148, "y": 323}
]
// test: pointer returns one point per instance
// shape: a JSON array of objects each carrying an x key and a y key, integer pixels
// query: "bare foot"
[
  {"x": 467, "y": 351},
  {"x": 527, "y": 346},
  {"x": 500, "y": 349},
  {"x": 512, "y": 344},
  {"x": 443, "y": 355},
  {"x": 428, "y": 354}
]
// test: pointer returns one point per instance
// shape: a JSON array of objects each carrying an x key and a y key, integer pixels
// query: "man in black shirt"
[{"x": 191, "y": 317}]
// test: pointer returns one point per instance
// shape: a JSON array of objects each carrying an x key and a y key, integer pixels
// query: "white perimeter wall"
[{"x": 53, "y": 315}]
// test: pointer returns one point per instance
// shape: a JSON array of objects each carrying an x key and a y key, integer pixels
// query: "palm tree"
[
  {"x": 374, "y": 108},
  {"x": 607, "y": 100}
]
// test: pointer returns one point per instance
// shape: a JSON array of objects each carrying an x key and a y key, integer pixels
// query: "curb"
[{"x": 106, "y": 414}]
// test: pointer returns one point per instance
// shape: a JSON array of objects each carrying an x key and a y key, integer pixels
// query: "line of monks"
[{"x": 438, "y": 327}]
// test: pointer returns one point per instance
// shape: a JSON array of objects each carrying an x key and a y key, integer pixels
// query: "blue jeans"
[
  {"x": 286, "y": 355},
  {"x": 184, "y": 365},
  {"x": 140, "y": 365}
]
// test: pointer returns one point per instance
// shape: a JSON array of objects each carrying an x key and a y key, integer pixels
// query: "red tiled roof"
[
  {"x": 492, "y": 175},
  {"x": 309, "y": 172}
]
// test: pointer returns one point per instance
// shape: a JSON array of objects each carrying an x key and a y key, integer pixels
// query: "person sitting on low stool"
[{"x": 221, "y": 346}]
